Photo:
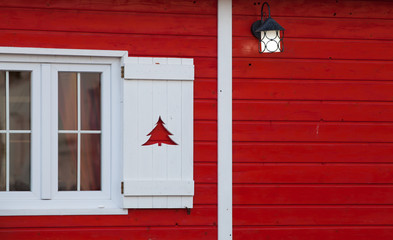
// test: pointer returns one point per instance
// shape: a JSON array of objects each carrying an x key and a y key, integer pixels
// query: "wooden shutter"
[{"x": 159, "y": 175}]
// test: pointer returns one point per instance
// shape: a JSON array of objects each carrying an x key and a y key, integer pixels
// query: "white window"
[{"x": 60, "y": 132}]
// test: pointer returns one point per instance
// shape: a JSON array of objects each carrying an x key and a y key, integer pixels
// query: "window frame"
[{"x": 46, "y": 64}]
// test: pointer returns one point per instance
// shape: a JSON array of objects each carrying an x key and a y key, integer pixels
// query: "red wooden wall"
[
  {"x": 313, "y": 126},
  {"x": 175, "y": 28}
]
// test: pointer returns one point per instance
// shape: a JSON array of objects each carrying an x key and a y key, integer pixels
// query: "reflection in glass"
[
  {"x": 20, "y": 162},
  {"x": 2, "y": 100},
  {"x": 90, "y": 101},
  {"x": 68, "y": 101},
  {"x": 19, "y": 83},
  {"x": 90, "y": 162},
  {"x": 68, "y": 161},
  {"x": 2, "y": 163}
]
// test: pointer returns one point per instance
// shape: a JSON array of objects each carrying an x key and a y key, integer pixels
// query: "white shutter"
[{"x": 158, "y": 176}]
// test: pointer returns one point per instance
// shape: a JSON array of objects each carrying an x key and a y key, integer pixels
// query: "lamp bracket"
[{"x": 258, "y": 23}]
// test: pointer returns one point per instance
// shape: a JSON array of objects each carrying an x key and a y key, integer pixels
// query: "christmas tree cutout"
[{"x": 159, "y": 135}]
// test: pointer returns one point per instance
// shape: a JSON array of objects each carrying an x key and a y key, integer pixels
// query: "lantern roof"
[{"x": 268, "y": 25}]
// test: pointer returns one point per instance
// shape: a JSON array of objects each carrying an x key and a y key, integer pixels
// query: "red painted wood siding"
[
  {"x": 313, "y": 152},
  {"x": 175, "y": 28}
]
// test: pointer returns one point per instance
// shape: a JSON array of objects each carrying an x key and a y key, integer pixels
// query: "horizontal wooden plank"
[
  {"x": 312, "y": 69},
  {"x": 205, "y": 130},
  {"x": 314, "y": 233},
  {"x": 205, "y": 194},
  {"x": 160, "y": 6},
  {"x": 318, "y": 49},
  {"x": 345, "y": 215},
  {"x": 196, "y": 233},
  {"x": 107, "y": 22},
  {"x": 312, "y": 111},
  {"x": 300, "y": 173},
  {"x": 303, "y": 194},
  {"x": 312, "y": 90},
  {"x": 314, "y": 132},
  {"x": 203, "y": 216},
  {"x": 136, "y": 45},
  {"x": 205, "y": 173},
  {"x": 205, "y": 151},
  {"x": 205, "y": 88},
  {"x": 312, "y": 8},
  {"x": 205, "y": 67},
  {"x": 313, "y": 173},
  {"x": 205, "y": 109},
  {"x": 307, "y": 27},
  {"x": 307, "y": 152}
]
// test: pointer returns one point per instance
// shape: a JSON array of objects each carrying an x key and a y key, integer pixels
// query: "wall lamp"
[{"x": 269, "y": 33}]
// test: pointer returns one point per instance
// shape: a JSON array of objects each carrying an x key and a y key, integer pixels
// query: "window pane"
[
  {"x": 68, "y": 101},
  {"x": 19, "y": 100},
  {"x": 90, "y": 162},
  {"x": 90, "y": 101},
  {"x": 20, "y": 162},
  {"x": 68, "y": 161},
  {"x": 2, "y": 163},
  {"x": 2, "y": 100}
]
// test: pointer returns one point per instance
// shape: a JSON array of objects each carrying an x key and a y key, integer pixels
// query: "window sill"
[{"x": 41, "y": 212}]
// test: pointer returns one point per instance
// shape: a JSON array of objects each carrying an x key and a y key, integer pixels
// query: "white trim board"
[{"x": 224, "y": 75}]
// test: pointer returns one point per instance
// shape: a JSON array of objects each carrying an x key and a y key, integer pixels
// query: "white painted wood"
[
  {"x": 159, "y": 188},
  {"x": 160, "y": 108},
  {"x": 174, "y": 167},
  {"x": 224, "y": 74},
  {"x": 145, "y": 125},
  {"x": 45, "y": 120},
  {"x": 170, "y": 97},
  {"x": 131, "y": 144},
  {"x": 187, "y": 133},
  {"x": 54, "y": 129},
  {"x": 36, "y": 129},
  {"x": 158, "y": 71},
  {"x": 116, "y": 131}
]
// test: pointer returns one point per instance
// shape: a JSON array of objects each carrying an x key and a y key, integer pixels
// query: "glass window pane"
[
  {"x": 68, "y": 161},
  {"x": 2, "y": 100},
  {"x": 20, "y": 162},
  {"x": 91, "y": 101},
  {"x": 19, "y": 100},
  {"x": 68, "y": 101},
  {"x": 90, "y": 162},
  {"x": 2, "y": 163}
]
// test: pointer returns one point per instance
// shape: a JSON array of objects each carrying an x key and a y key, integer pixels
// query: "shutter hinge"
[
  {"x": 122, "y": 187},
  {"x": 122, "y": 71}
]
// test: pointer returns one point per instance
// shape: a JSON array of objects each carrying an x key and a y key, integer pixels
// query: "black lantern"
[{"x": 269, "y": 33}]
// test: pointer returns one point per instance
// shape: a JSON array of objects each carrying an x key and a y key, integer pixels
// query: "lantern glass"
[{"x": 270, "y": 41}]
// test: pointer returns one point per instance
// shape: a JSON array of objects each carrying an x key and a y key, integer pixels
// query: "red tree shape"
[{"x": 159, "y": 135}]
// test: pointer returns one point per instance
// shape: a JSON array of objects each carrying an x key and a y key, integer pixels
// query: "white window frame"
[{"x": 44, "y": 64}]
